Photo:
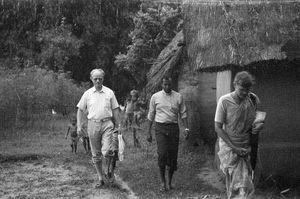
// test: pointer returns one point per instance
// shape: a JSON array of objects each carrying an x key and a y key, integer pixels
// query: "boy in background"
[
  {"x": 72, "y": 129},
  {"x": 85, "y": 138},
  {"x": 132, "y": 110},
  {"x": 142, "y": 113}
]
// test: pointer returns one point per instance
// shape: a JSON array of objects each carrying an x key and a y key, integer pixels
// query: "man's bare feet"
[
  {"x": 170, "y": 187},
  {"x": 163, "y": 188},
  {"x": 99, "y": 185},
  {"x": 111, "y": 177}
]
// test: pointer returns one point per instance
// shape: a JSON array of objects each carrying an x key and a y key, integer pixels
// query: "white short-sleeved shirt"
[
  {"x": 98, "y": 104},
  {"x": 165, "y": 108}
]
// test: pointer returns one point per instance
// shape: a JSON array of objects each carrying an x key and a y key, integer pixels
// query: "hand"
[
  {"x": 119, "y": 128},
  {"x": 149, "y": 138},
  {"x": 257, "y": 127},
  {"x": 241, "y": 151},
  {"x": 186, "y": 133},
  {"x": 80, "y": 133}
]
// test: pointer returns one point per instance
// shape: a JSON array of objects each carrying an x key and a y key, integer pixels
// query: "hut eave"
[
  {"x": 166, "y": 62},
  {"x": 259, "y": 65}
]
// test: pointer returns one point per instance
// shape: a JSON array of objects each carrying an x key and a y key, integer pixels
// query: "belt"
[
  {"x": 102, "y": 120},
  {"x": 166, "y": 124}
]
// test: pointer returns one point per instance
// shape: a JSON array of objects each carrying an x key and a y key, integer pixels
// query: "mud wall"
[
  {"x": 199, "y": 92},
  {"x": 279, "y": 146}
]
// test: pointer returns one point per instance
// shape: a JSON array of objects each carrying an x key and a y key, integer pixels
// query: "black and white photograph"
[{"x": 150, "y": 99}]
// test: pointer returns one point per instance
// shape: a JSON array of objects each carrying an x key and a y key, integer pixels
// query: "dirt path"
[{"x": 52, "y": 178}]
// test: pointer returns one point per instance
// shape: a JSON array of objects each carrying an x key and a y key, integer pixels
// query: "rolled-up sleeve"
[
  {"x": 220, "y": 112},
  {"x": 82, "y": 104},
  {"x": 151, "y": 113},
  {"x": 114, "y": 102},
  {"x": 183, "y": 110}
]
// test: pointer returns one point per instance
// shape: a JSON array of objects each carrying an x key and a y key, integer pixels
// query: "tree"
[
  {"x": 58, "y": 45},
  {"x": 154, "y": 27},
  {"x": 74, "y": 36}
]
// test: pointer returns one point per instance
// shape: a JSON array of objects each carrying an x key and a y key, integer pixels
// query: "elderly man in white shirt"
[
  {"x": 165, "y": 107},
  {"x": 102, "y": 108}
]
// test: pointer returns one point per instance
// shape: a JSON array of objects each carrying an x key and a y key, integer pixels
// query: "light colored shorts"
[{"x": 101, "y": 136}]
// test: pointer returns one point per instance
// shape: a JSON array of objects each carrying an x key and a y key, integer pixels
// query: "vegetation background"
[{"x": 48, "y": 48}]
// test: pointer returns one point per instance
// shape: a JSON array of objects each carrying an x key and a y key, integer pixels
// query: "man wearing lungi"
[
  {"x": 165, "y": 107},
  {"x": 235, "y": 114},
  {"x": 102, "y": 108}
]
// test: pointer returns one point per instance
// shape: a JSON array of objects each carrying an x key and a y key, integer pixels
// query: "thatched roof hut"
[{"x": 223, "y": 37}]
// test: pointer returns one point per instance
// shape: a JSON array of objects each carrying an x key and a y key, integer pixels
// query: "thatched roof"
[
  {"x": 224, "y": 33},
  {"x": 166, "y": 62}
]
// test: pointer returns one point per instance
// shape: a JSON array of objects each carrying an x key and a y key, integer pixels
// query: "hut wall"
[
  {"x": 280, "y": 98},
  {"x": 199, "y": 92},
  {"x": 279, "y": 140},
  {"x": 224, "y": 80}
]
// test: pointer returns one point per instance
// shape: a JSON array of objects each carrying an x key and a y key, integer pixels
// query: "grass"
[
  {"x": 48, "y": 148},
  {"x": 139, "y": 168}
]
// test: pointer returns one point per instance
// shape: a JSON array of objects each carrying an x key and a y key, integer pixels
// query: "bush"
[{"x": 35, "y": 91}]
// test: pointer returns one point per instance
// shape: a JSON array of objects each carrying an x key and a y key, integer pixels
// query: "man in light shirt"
[
  {"x": 165, "y": 107},
  {"x": 102, "y": 108}
]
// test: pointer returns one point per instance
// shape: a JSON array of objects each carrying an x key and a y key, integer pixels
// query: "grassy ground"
[
  {"x": 141, "y": 171},
  {"x": 32, "y": 151},
  {"x": 39, "y": 164},
  {"x": 195, "y": 178}
]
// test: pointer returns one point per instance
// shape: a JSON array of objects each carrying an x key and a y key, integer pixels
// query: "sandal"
[{"x": 99, "y": 185}]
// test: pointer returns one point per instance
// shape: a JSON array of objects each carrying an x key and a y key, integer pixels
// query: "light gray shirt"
[{"x": 166, "y": 108}]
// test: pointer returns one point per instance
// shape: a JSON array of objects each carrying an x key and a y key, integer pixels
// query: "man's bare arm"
[
  {"x": 116, "y": 115},
  {"x": 185, "y": 123},
  {"x": 186, "y": 130},
  {"x": 80, "y": 117},
  {"x": 149, "y": 138}
]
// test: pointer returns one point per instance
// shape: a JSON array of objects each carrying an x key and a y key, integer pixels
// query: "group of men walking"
[{"x": 234, "y": 118}]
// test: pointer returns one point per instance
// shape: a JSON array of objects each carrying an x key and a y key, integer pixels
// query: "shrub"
[{"x": 35, "y": 91}]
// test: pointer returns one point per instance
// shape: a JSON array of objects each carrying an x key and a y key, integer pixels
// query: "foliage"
[
  {"x": 36, "y": 91},
  {"x": 74, "y": 36},
  {"x": 58, "y": 45},
  {"x": 154, "y": 27}
]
